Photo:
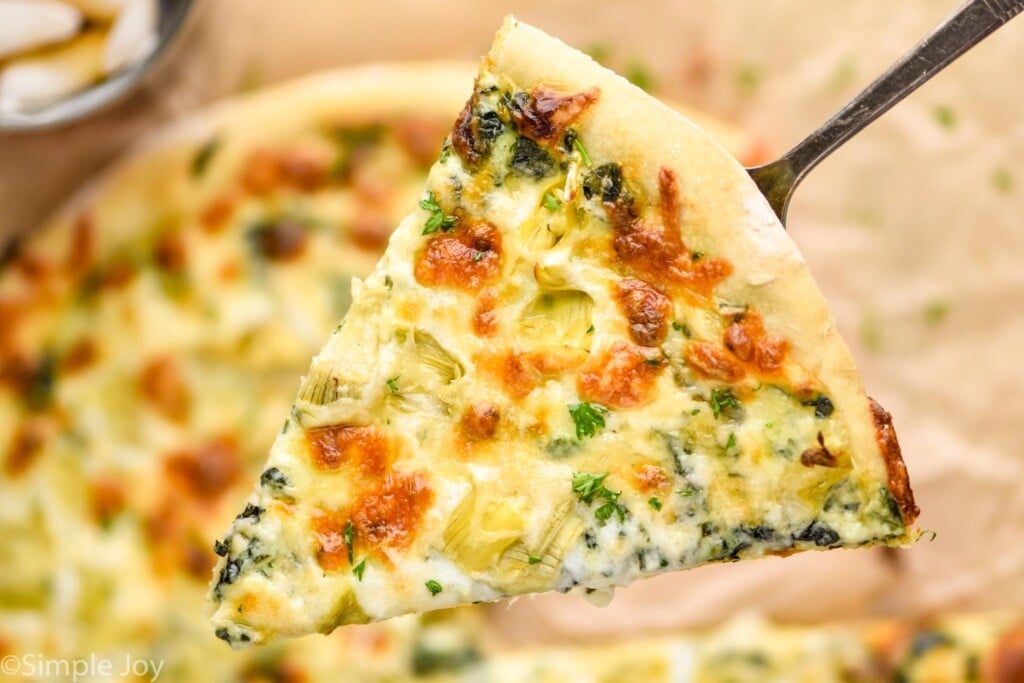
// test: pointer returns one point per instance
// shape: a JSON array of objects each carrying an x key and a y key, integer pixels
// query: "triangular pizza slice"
[{"x": 591, "y": 354}]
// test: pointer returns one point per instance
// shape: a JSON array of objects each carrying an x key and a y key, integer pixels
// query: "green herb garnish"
[
  {"x": 349, "y": 535},
  {"x": 676, "y": 326},
  {"x": 393, "y": 384},
  {"x": 935, "y": 311},
  {"x": 731, "y": 442},
  {"x": 748, "y": 78},
  {"x": 1002, "y": 181},
  {"x": 721, "y": 400},
  {"x": 654, "y": 503},
  {"x": 687, "y": 493},
  {"x": 438, "y": 219},
  {"x": 589, "y": 487},
  {"x": 639, "y": 75},
  {"x": 583, "y": 152},
  {"x": 359, "y": 569},
  {"x": 434, "y": 587},
  {"x": 589, "y": 417},
  {"x": 944, "y": 116},
  {"x": 551, "y": 202},
  {"x": 203, "y": 156},
  {"x": 533, "y": 559},
  {"x": 590, "y": 330}
]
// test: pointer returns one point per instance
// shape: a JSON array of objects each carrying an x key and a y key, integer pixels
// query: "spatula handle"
[{"x": 961, "y": 31}]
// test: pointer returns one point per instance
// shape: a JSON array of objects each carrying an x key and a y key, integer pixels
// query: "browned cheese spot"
[
  {"x": 207, "y": 471},
  {"x": 713, "y": 362},
  {"x": 363, "y": 448},
  {"x": 466, "y": 258},
  {"x": 655, "y": 251},
  {"x": 646, "y": 310},
  {"x": 164, "y": 388},
  {"x": 282, "y": 240},
  {"x": 549, "y": 112},
  {"x": 621, "y": 376},
  {"x": 480, "y": 421}
]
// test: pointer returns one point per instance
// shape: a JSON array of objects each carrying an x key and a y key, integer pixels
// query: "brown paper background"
[{"x": 911, "y": 215}]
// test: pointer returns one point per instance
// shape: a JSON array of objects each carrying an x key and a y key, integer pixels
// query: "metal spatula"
[{"x": 960, "y": 32}]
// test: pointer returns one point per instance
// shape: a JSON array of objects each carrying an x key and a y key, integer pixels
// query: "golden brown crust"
[{"x": 899, "y": 481}]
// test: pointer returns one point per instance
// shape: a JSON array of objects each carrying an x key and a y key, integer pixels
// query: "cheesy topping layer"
[{"x": 543, "y": 387}]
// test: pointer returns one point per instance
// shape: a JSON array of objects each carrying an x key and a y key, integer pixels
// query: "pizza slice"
[{"x": 591, "y": 354}]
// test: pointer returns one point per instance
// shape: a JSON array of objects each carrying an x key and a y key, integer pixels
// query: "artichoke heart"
[
  {"x": 486, "y": 540},
  {"x": 560, "y": 318},
  {"x": 541, "y": 232},
  {"x": 532, "y": 570},
  {"x": 346, "y": 610},
  {"x": 479, "y": 532},
  {"x": 422, "y": 372}
]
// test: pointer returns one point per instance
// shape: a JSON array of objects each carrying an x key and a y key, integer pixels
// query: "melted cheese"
[{"x": 582, "y": 380}]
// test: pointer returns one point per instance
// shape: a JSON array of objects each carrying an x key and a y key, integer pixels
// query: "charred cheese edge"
[{"x": 592, "y": 354}]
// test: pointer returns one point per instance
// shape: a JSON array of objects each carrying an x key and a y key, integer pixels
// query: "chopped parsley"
[
  {"x": 677, "y": 326},
  {"x": 722, "y": 399},
  {"x": 438, "y": 219},
  {"x": 590, "y": 330},
  {"x": 696, "y": 256},
  {"x": 434, "y": 587},
  {"x": 349, "y": 535},
  {"x": 655, "y": 503},
  {"x": 583, "y": 152},
  {"x": 748, "y": 78},
  {"x": 393, "y": 384},
  {"x": 359, "y": 569},
  {"x": 203, "y": 156},
  {"x": 551, "y": 202},
  {"x": 944, "y": 116},
  {"x": 687, "y": 492},
  {"x": 533, "y": 559},
  {"x": 1002, "y": 181},
  {"x": 446, "y": 150},
  {"x": 695, "y": 411},
  {"x": 589, "y": 417},
  {"x": 731, "y": 443},
  {"x": 935, "y": 311},
  {"x": 639, "y": 75},
  {"x": 589, "y": 487}
]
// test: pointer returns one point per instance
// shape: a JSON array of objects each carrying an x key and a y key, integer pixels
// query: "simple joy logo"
[{"x": 80, "y": 668}]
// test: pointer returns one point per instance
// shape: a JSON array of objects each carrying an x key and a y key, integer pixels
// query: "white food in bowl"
[
  {"x": 133, "y": 35},
  {"x": 28, "y": 82},
  {"x": 28, "y": 24}
]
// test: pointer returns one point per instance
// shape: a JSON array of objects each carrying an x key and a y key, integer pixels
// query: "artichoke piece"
[
  {"x": 347, "y": 610},
  {"x": 541, "y": 232},
  {"x": 479, "y": 532},
  {"x": 560, "y": 318},
  {"x": 534, "y": 570},
  {"x": 423, "y": 370},
  {"x": 435, "y": 359},
  {"x": 320, "y": 386}
]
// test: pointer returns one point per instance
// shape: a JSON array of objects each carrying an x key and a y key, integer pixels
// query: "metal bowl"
[{"x": 171, "y": 18}]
